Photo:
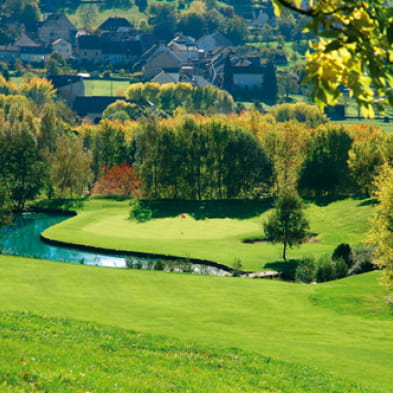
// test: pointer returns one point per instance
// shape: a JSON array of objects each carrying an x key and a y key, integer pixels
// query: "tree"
[
  {"x": 141, "y": 4},
  {"x": 270, "y": 83},
  {"x": 287, "y": 224},
  {"x": 21, "y": 167},
  {"x": 163, "y": 20},
  {"x": 381, "y": 232},
  {"x": 40, "y": 91},
  {"x": 70, "y": 170},
  {"x": 228, "y": 74},
  {"x": 353, "y": 49},
  {"x": 119, "y": 180},
  {"x": 193, "y": 24},
  {"x": 325, "y": 169}
]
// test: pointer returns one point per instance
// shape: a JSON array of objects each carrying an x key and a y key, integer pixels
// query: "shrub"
[
  {"x": 138, "y": 212},
  {"x": 237, "y": 267},
  {"x": 341, "y": 268},
  {"x": 343, "y": 251},
  {"x": 363, "y": 257},
  {"x": 301, "y": 112},
  {"x": 305, "y": 270},
  {"x": 326, "y": 270}
]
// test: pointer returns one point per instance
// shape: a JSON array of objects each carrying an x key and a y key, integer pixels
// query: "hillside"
[{"x": 331, "y": 327}]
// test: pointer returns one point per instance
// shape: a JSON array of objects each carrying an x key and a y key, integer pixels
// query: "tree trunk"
[{"x": 284, "y": 253}]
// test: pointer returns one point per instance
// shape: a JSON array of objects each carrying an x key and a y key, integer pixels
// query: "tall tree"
[
  {"x": 70, "y": 171},
  {"x": 287, "y": 224},
  {"x": 270, "y": 88},
  {"x": 228, "y": 74},
  {"x": 21, "y": 166},
  {"x": 325, "y": 169}
]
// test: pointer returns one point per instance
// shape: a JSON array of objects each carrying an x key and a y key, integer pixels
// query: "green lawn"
[
  {"x": 102, "y": 87},
  {"x": 210, "y": 230},
  {"x": 341, "y": 328},
  {"x": 132, "y": 14}
]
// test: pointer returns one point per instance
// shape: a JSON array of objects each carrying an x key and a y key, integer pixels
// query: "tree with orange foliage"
[{"x": 118, "y": 180}]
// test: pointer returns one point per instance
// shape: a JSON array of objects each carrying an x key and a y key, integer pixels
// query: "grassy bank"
[
  {"x": 63, "y": 355},
  {"x": 212, "y": 230},
  {"x": 343, "y": 327}
]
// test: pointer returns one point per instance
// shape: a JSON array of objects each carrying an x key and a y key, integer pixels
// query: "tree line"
[{"x": 245, "y": 155}]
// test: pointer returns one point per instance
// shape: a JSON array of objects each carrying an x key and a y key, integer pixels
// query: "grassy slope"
[
  {"x": 132, "y": 14},
  {"x": 105, "y": 223},
  {"x": 296, "y": 323},
  {"x": 62, "y": 355}
]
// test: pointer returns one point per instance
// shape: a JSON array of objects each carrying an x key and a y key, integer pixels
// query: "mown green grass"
[
  {"x": 217, "y": 235},
  {"x": 132, "y": 14},
  {"x": 303, "y": 324},
  {"x": 95, "y": 87},
  {"x": 64, "y": 355}
]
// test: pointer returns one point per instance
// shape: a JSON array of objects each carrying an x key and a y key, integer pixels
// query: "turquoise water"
[{"x": 23, "y": 239}]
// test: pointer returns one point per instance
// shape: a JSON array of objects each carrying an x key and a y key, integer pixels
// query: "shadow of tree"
[
  {"x": 200, "y": 210},
  {"x": 60, "y": 204},
  {"x": 287, "y": 269}
]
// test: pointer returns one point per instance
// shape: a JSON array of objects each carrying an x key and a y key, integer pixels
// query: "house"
[
  {"x": 9, "y": 53},
  {"x": 165, "y": 76},
  {"x": 89, "y": 47},
  {"x": 68, "y": 87},
  {"x": 185, "y": 48},
  {"x": 215, "y": 67},
  {"x": 183, "y": 74},
  {"x": 25, "y": 40},
  {"x": 121, "y": 51},
  {"x": 116, "y": 24},
  {"x": 90, "y": 109},
  {"x": 210, "y": 42},
  {"x": 34, "y": 54},
  {"x": 63, "y": 47},
  {"x": 158, "y": 58},
  {"x": 248, "y": 73},
  {"x": 54, "y": 27},
  {"x": 13, "y": 51}
]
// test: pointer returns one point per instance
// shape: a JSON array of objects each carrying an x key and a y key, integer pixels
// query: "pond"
[{"x": 23, "y": 239}]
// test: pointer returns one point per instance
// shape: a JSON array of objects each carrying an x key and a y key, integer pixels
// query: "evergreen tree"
[
  {"x": 228, "y": 75},
  {"x": 270, "y": 88}
]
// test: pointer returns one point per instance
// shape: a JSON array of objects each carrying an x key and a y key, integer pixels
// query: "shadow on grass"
[
  {"x": 287, "y": 269},
  {"x": 325, "y": 200},
  {"x": 200, "y": 210},
  {"x": 369, "y": 202}
]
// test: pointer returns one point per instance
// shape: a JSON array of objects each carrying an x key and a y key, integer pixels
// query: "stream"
[{"x": 23, "y": 239}]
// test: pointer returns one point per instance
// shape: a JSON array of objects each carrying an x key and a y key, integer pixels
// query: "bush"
[
  {"x": 343, "y": 251},
  {"x": 139, "y": 213},
  {"x": 301, "y": 112},
  {"x": 237, "y": 267},
  {"x": 305, "y": 270},
  {"x": 326, "y": 270},
  {"x": 341, "y": 268},
  {"x": 363, "y": 257}
]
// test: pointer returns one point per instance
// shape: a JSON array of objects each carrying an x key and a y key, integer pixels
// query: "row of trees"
[
  {"x": 244, "y": 155},
  {"x": 170, "y": 96}
]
